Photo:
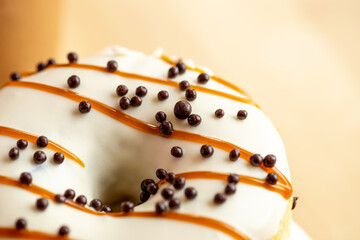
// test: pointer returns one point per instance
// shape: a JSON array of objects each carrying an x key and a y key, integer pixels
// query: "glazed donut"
[{"x": 125, "y": 145}]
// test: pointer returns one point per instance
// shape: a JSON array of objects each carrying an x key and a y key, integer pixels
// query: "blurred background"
[{"x": 298, "y": 59}]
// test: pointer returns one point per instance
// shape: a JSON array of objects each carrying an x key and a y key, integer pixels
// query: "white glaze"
[{"x": 118, "y": 157}]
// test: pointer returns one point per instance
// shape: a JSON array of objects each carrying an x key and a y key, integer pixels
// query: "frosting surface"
[{"x": 117, "y": 157}]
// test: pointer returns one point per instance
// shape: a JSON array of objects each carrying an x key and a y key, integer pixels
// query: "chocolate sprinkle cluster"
[
  {"x": 41, "y": 65},
  {"x": 178, "y": 182},
  {"x": 135, "y": 101},
  {"x": 230, "y": 189},
  {"x": 269, "y": 160},
  {"x": 179, "y": 68},
  {"x": 183, "y": 109},
  {"x": 14, "y": 152},
  {"x": 39, "y": 157}
]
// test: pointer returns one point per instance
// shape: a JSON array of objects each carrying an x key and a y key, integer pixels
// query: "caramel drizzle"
[
  {"x": 215, "y": 78},
  {"x": 204, "y": 221},
  {"x": 18, "y": 134},
  {"x": 150, "y": 128},
  {"x": 26, "y": 234},
  {"x": 149, "y": 79},
  {"x": 278, "y": 188}
]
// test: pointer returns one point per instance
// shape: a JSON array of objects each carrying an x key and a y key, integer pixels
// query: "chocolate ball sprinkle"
[
  {"x": 152, "y": 188},
  {"x": 60, "y": 198},
  {"x": 230, "y": 188},
  {"x": 173, "y": 72},
  {"x": 127, "y": 206},
  {"x": 256, "y": 160},
  {"x": 170, "y": 177},
  {"x": 206, "y": 151},
  {"x": 73, "y": 81},
  {"x": 72, "y": 57},
  {"x": 121, "y": 90},
  {"x": 203, "y": 78},
  {"x": 160, "y": 207},
  {"x": 20, "y": 224},
  {"x": 15, "y": 76},
  {"x": 25, "y": 178},
  {"x": 84, "y": 107},
  {"x": 144, "y": 196},
  {"x": 59, "y": 158},
  {"x": 69, "y": 194},
  {"x": 42, "y": 204},
  {"x": 179, "y": 183},
  {"x": 190, "y": 94},
  {"x": 269, "y": 160},
  {"x": 167, "y": 193},
  {"x": 242, "y": 114},
  {"x": 42, "y": 142},
  {"x": 41, "y": 66},
  {"x": 294, "y": 202},
  {"x": 182, "y": 109},
  {"x": 166, "y": 127},
  {"x": 96, "y": 204},
  {"x": 22, "y": 144},
  {"x": 106, "y": 209},
  {"x": 233, "y": 178},
  {"x": 160, "y": 116},
  {"x": 163, "y": 95},
  {"x": 64, "y": 231},
  {"x": 219, "y": 113},
  {"x": 174, "y": 203},
  {"x": 145, "y": 183},
  {"x": 135, "y": 101},
  {"x": 272, "y": 178},
  {"x": 39, "y": 157},
  {"x": 182, "y": 67},
  {"x": 112, "y": 66},
  {"x": 51, "y": 61},
  {"x": 219, "y": 198},
  {"x": 81, "y": 200},
  {"x": 194, "y": 120},
  {"x": 177, "y": 151},
  {"x": 190, "y": 193},
  {"x": 141, "y": 91},
  {"x": 124, "y": 103},
  {"x": 14, "y": 153},
  {"x": 234, "y": 154},
  {"x": 183, "y": 85},
  {"x": 161, "y": 173}
]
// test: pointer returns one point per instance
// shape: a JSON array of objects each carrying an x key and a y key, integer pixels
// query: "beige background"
[{"x": 298, "y": 59}]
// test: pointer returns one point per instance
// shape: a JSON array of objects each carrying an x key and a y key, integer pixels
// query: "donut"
[{"x": 126, "y": 145}]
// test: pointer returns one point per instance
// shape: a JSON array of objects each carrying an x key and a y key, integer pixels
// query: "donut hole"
[
  {"x": 114, "y": 194},
  {"x": 121, "y": 183}
]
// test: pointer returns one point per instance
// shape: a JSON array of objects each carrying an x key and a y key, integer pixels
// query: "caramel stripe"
[
  {"x": 149, "y": 79},
  {"x": 280, "y": 188},
  {"x": 215, "y": 78},
  {"x": 26, "y": 234},
  {"x": 147, "y": 127},
  {"x": 18, "y": 134},
  {"x": 204, "y": 221}
]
